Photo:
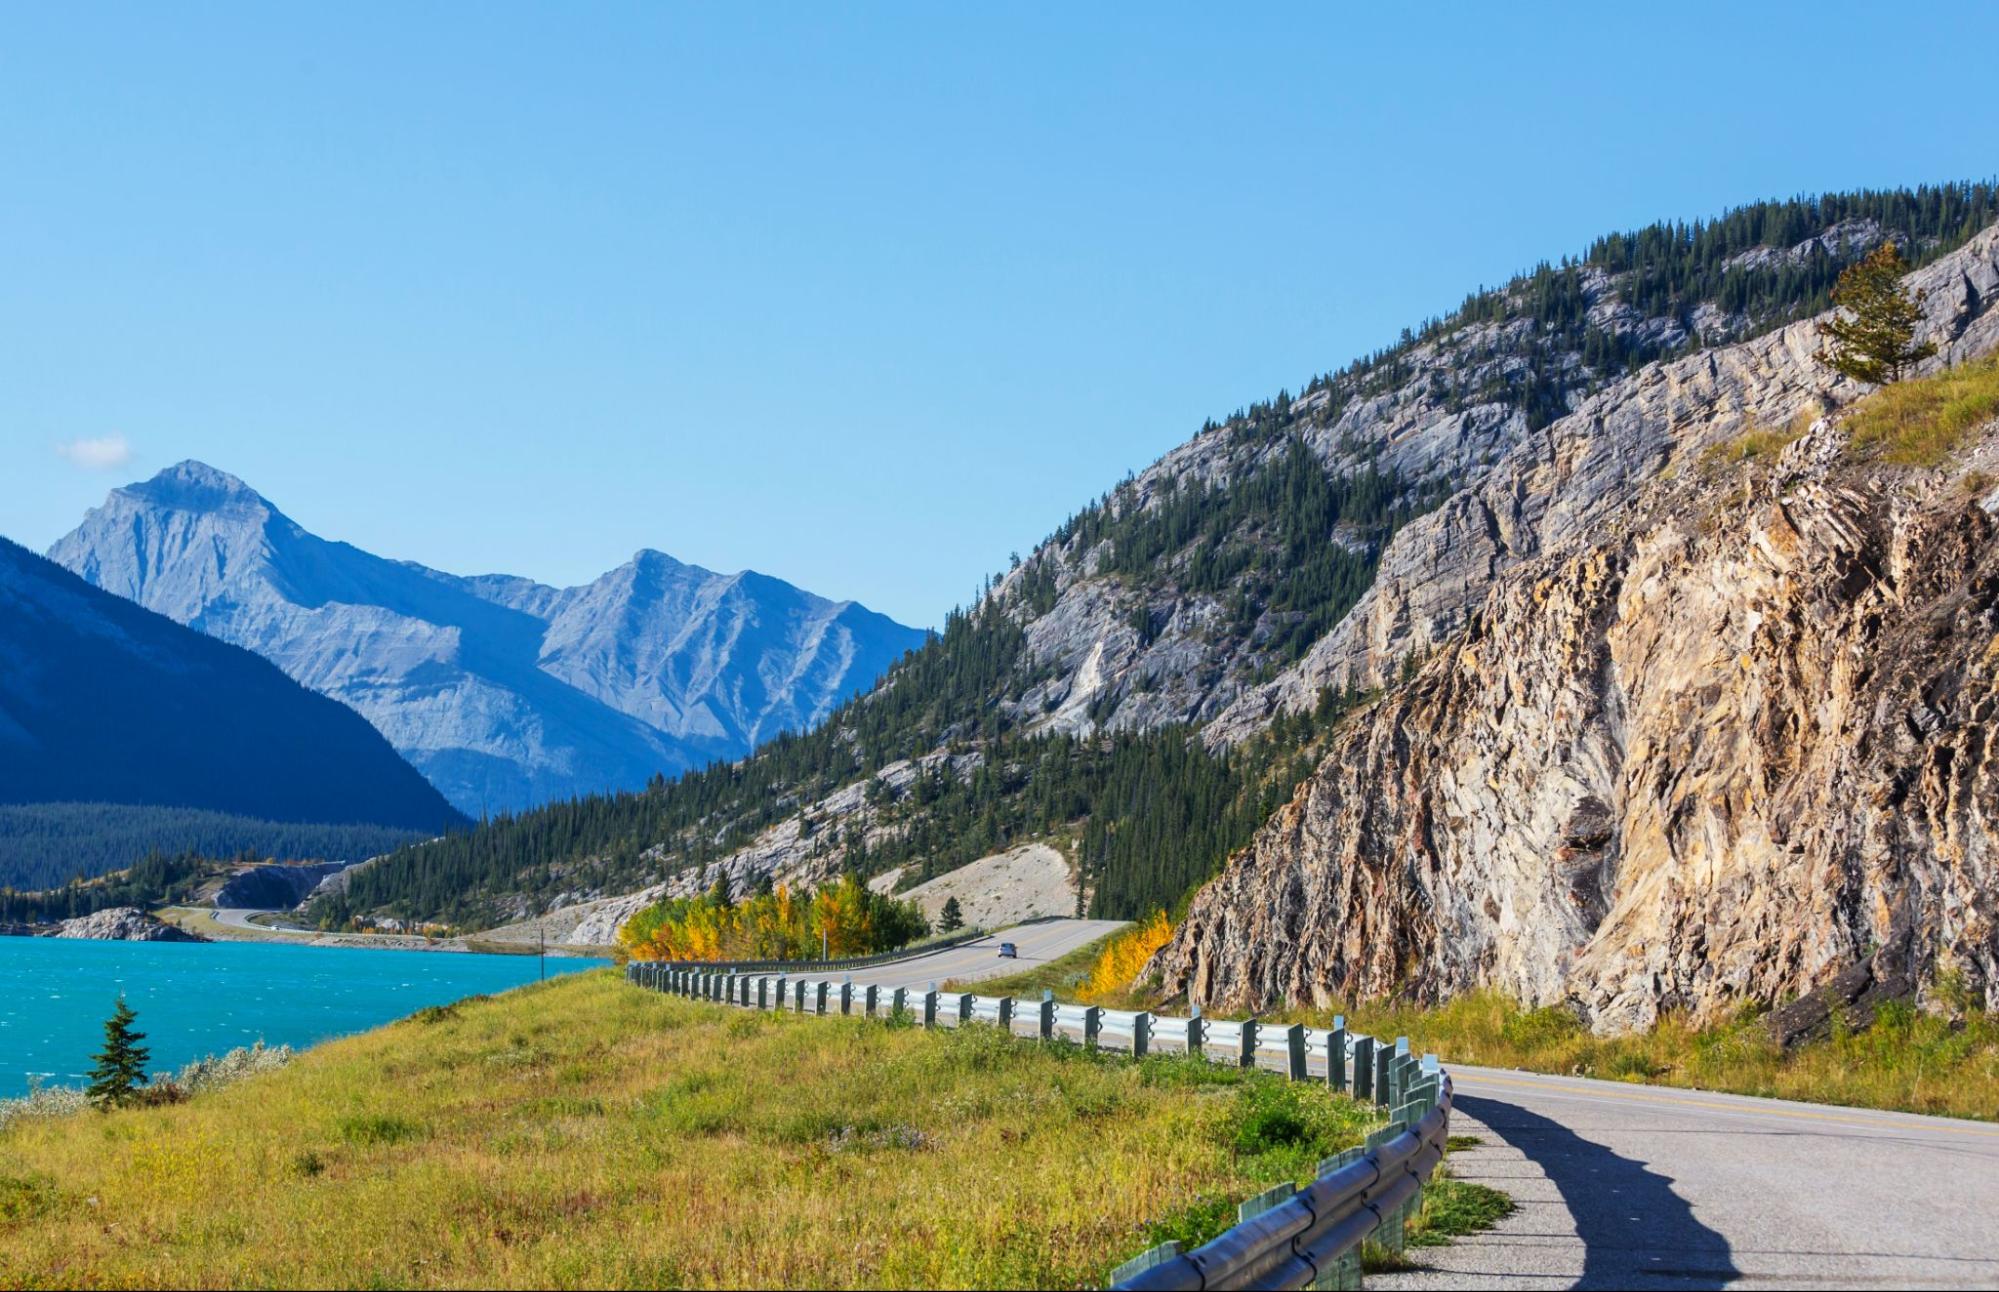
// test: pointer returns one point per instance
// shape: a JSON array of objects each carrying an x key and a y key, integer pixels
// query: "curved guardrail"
[
  {"x": 1287, "y": 1237},
  {"x": 850, "y": 962}
]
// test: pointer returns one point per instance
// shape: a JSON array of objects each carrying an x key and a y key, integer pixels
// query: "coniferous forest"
[{"x": 1287, "y": 545}]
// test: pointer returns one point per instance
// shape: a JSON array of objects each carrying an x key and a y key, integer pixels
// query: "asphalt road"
[
  {"x": 1625, "y": 1186},
  {"x": 238, "y": 917},
  {"x": 1038, "y": 944}
]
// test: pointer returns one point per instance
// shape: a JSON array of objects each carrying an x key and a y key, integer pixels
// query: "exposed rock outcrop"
[
  {"x": 1704, "y": 734},
  {"x": 123, "y": 924},
  {"x": 275, "y": 887}
]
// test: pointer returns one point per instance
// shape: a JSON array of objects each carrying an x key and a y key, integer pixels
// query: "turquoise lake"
[{"x": 197, "y": 998}]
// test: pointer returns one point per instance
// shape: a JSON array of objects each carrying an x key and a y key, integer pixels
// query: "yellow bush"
[{"x": 1126, "y": 957}]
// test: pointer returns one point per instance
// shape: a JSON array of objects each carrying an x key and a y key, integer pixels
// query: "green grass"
[
  {"x": 582, "y": 1132},
  {"x": 1454, "y": 1209},
  {"x": 1922, "y": 422}
]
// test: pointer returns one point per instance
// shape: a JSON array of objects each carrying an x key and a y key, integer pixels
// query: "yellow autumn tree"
[{"x": 1126, "y": 956}]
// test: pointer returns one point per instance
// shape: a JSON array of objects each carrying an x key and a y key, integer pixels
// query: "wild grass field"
[{"x": 582, "y": 1132}]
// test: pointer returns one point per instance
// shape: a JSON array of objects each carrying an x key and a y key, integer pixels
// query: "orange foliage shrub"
[{"x": 1127, "y": 955}]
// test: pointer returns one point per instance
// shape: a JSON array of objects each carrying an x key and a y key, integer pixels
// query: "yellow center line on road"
[{"x": 1694, "y": 1103}]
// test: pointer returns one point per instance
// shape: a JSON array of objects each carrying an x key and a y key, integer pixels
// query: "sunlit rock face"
[{"x": 1686, "y": 730}]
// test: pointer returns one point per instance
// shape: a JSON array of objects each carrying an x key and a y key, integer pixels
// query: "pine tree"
[
  {"x": 1872, "y": 338},
  {"x": 121, "y": 1066},
  {"x": 952, "y": 917}
]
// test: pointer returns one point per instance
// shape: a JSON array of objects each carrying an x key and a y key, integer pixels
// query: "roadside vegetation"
[
  {"x": 840, "y": 919},
  {"x": 582, "y": 1131},
  {"x": 1943, "y": 1060}
]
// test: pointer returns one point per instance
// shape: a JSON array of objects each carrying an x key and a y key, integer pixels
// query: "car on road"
[{"x": 1008, "y": 951}]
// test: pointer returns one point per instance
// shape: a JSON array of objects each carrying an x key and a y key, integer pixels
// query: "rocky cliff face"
[
  {"x": 1689, "y": 730},
  {"x": 504, "y": 692}
]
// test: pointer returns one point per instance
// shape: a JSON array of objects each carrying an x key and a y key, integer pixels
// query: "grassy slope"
[{"x": 583, "y": 1132}]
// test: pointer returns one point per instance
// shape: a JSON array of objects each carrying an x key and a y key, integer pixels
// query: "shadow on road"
[{"x": 1636, "y": 1232}]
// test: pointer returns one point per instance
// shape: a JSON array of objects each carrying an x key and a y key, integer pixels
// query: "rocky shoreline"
[{"x": 113, "y": 924}]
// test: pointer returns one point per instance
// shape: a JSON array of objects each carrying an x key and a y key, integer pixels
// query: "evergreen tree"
[
  {"x": 952, "y": 917},
  {"x": 121, "y": 1065},
  {"x": 1872, "y": 338}
]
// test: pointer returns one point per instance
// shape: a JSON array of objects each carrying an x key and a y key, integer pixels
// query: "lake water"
[{"x": 195, "y": 999}]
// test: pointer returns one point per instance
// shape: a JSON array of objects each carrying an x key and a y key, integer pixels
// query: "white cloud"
[{"x": 106, "y": 453}]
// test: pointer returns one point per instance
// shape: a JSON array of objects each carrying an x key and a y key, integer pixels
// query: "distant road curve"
[
  {"x": 238, "y": 917},
  {"x": 1038, "y": 943}
]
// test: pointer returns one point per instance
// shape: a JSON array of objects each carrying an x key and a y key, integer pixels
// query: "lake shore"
[{"x": 217, "y": 926}]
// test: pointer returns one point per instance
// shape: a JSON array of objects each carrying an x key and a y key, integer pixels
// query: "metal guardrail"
[
  {"x": 851, "y": 962},
  {"x": 1286, "y": 1237}
]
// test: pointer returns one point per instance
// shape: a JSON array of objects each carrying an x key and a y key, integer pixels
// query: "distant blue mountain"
[
  {"x": 104, "y": 701},
  {"x": 504, "y": 692}
]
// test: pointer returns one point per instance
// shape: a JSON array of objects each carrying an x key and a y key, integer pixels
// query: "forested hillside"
[
  {"x": 104, "y": 701},
  {"x": 45, "y": 845},
  {"x": 1069, "y": 700}
]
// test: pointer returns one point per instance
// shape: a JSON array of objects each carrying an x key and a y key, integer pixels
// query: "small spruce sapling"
[{"x": 121, "y": 1065}]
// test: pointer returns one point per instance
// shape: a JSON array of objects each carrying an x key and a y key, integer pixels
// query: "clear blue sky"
[{"x": 863, "y": 297}]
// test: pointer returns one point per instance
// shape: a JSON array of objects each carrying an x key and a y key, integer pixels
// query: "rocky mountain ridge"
[
  {"x": 1688, "y": 732},
  {"x": 504, "y": 692}
]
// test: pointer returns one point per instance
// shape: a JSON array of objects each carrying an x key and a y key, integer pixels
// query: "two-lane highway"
[
  {"x": 1630, "y": 1186},
  {"x": 1037, "y": 943}
]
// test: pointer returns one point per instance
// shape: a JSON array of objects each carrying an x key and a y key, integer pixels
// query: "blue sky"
[{"x": 863, "y": 297}]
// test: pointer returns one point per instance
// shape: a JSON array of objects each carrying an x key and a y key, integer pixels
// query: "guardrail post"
[
  {"x": 1144, "y": 1261},
  {"x": 1382, "y": 1059},
  {"x": 965, "y": 1007},
  {"x": 1197, "y": 1032},
  {"x": 1047, "y": 1015},
  {"x": 898, "y": 1002},
  {"x": 1336, "y": 1055},
  {"x": 930, "y": 1008},
  {"x": 1141, "y": 1034},
  {"x": 1246, "y": 1043},
  {"x": 1006, "y": 1014},
  {"x": 800, "y": 995},
  {"x": 819, "y": 997},
  {"x": 870, "y": 998},
  {"x": 1344, "y": 1272},
  {"x": 1275, "y": 1196},
  {"x": 719, "y": 987},
  {"x": 1294, "y": 1041},
  {"x": 783, "y": 985},
  {"x": 847, "y": 996},
  {"x": 1363, "y": 1067},
  {"x": 1093, "y": 1026}
]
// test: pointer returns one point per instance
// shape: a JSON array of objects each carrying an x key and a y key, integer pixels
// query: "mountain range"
[
  {"x": 102, "y": 701},
  {"x": 504, "y": 692},
  {"x": 1584, "y": 644}
]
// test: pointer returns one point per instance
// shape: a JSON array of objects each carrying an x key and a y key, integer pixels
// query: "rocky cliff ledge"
[
  {"x": 1731, "y": 742},
  {"x": 122, "y": 924}
]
